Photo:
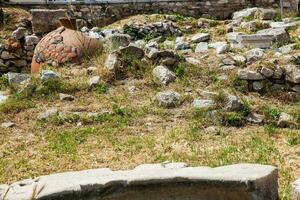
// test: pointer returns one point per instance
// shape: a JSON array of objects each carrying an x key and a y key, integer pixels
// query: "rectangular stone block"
[
  {"x": 45, "y": 20},
  {"x": 172, "y": 181}
]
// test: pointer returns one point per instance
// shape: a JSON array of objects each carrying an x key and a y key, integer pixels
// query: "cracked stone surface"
[{"x": 152, "y": 181}]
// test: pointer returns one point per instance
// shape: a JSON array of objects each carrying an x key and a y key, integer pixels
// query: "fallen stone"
[
  {"x": 245, "y": 13},
  {"x": 163, "y": 75},
  {"x": 280, "y": 35},
  {"x": 200, "y": 37},
  {"x": 254, "y": 54},
  {"x": 285, "y": 120},
  {"x": 48, "y": 75},
  {"x": 201, "y": 47},
  {"x": 168, "y": 99},
  {"x": 239, "y": 60},
  {"x": 278, "y": 73},
  {"x": 234, "y": 104},
  {"x": 255, "y": 118},
  {"x": 181, "y": 44},
  {"x": 203, "y": 103},
  {"x": 17, "y": 78},
  {"x": 292, "y": 74},
  {"x": 249, "y": 26},
  {"x": 132, "y": 52},
  {"x": 262, "y": 41},
  {"x": 112, "y": 62},
  {"x": 46, "y": 20},
  {"x": 5, "y": 55},
  {"x": 296, "y": 88},
  {"x": 212, "y": 130},
  {"x": 267, "y": 72},
  {"x": 220, "y": 47},
  {"x": 258, "y": 86},
  {"x": 296, "y": 190},
  {"x": 285, "y": 25},
  {"x": 19, "y": 33},
  {"x": 117, "y": 40},
  {"x": 3, "y": 97},
  {"x": 8, "y": 125},
  {"x": 48, "y": 114},
  {"x": 94, "y": 81},
  {"x": 31, "y": 40},
  {"x": 193, "y": 61},
  {"x": 158, "y": 181},
  {"x": 286, "y": 49},
  {"x": 266, "y": 13},
  {"x": 66, "y": 97},
  {"x": 250, "y": 75}
]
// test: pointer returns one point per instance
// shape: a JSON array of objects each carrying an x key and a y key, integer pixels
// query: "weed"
[
  {"x": 270, "y": 129},
  {"x": 102, "y": 88},
  {"x": 233, "y": 119},
  {"x": 271, "y": 113},
  {"x": 293, "y": 138},
  {"x": 3, "y": 83},
  {"x": 240, "y": 85},
  {"x": 15, "y": 105},
  {"x": 180, "y": 70}
]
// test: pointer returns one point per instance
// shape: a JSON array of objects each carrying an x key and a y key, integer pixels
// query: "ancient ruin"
[{"x": 93, "y": 92}]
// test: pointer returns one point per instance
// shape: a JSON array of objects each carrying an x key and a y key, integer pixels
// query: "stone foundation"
[{"x": 173, "y": 181}]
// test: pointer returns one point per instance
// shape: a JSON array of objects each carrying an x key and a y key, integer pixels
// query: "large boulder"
[
  {"x": 117, "y": 40},
  {"x": 245, "y": 13},
  {"x": 46, "y": 20},
  {"x": 280, "y": 35}
]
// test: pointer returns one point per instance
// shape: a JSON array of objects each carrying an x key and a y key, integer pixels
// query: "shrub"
[{"x": 180, "y": 70}]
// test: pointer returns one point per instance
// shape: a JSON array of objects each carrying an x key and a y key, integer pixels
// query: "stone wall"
[
  {"x": 173, "y": 181},
  {"x": 101, "y": 14}
]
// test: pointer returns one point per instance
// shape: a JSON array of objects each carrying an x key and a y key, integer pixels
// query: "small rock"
[
  {"x": 296, "y": 88},
  {"x": 132, "y": 52},
  {"x": 211, "y": 130},
  {"x": 200, "y": 37},
  {"x": 234, "y": 104},
  {"x": 258, "y": 86},
  {"x": 246, "y": 74},
  {"x": 31, "y": 40},
  {"x": 242, "y": 14},
  {"x": 296, "y": 190},
  {"x": 221, "y": 47},
  {"x": 254, "y": 54},
  {"x": 47, "y": 114},
  {"x": 181, "y": 44},
  {"x": 267, "y": 72},
  {"x": 112, "y": 62},
  {"x": 8, "y": 125},
  {"x": 163, "y": 75},
  {"x": 201, "y": 47},
  {"x": 255, "y": 118},
  {"x": 193, "y": 61},
  {"x": 48, "y": 74},
  {"x": 94, "y": 81},
  {"x": 203, "y": 103},
  {"x": 285, "y": 120},
  {"x": 117, "y": 40},
  {"x": 292, "y": 74},
  {"x": 3, "y": 97},
  {"x": 66, "y": 97},
  {"x": 168, "y": 99},
  {"x": 17, "y": 78},
  {"x": 239, "y": 60},
  {"x": 19, "y": 33}
]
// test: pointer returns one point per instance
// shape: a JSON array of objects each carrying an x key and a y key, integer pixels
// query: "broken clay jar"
[{"x": 63, "y": 45}]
